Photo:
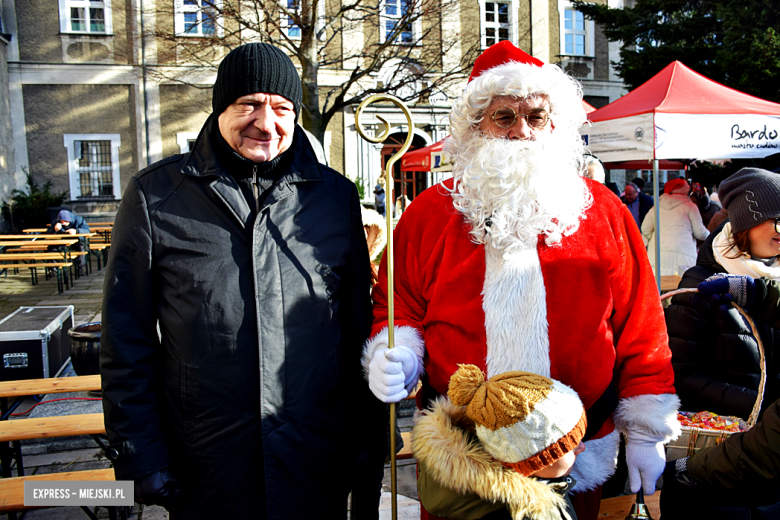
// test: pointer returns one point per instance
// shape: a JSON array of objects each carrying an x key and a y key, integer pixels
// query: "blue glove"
[{"x": 729, "y": 287}]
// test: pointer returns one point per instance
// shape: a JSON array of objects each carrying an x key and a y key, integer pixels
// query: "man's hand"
[
  {"x": 71, "y": 231},
  {"x": 393, "y": 373},
  {"x": 159, "y": 488},
  {"x": 57, "y": 226},
  {"x": 725, "y": 287},
  {"x": 646, "y": 460}
]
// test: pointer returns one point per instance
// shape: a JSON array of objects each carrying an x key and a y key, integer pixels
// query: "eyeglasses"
[
  {"x": 506, "y": 117},
  {"x": 777, "y": 225}
]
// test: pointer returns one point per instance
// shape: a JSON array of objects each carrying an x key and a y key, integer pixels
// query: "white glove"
[
  {"x": 393, "y": 373},
  {"x": 646, "y": 460}
]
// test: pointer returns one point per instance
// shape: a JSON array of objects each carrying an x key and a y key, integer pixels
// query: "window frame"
[
  {"x": 183, "y": 140},
  {"x": 589, "y": 32},
  {"x": 384, "y": 18},
  {"x": 65, "y": 19},
  {"x": 483, "y": 23},
  {"x": 74, "y": 182},
  {"x": 179, "y": 23}
]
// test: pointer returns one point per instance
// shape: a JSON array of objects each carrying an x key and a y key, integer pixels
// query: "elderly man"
[
  {"x": 518, "y": 263},
  {"x": 236, "y": 305},
  {"x": 637, "y": 202}
]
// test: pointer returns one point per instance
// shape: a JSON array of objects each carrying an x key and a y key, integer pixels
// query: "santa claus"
[{"x": 518, "y": 263}]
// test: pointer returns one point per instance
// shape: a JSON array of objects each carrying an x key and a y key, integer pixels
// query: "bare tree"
[{"x": 372, "y": 46}]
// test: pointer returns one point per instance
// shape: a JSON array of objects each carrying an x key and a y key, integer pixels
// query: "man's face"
[
  {"x": 526, "y": 109},
  {"x": 259, "y": 126},
  {"x": 631, "y": 194}
]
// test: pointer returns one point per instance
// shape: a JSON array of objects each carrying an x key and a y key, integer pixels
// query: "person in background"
[
  {"x": 640, "y": 183},
  {"x": 714, "y": 354},
  {"x": 707, "y": 207},
  {"x": 379, "y": 199},
  {"x": 491, "y": 478},
  {"x": 740, "y": 477},
  {"x": 594, "y": 169},
  {"x": 491, "y": 268},
  {"x": 401, "y": 203},
  {"x": 236, "y": 302},
  {"x": 638, "y": 203},
  {"x": 69, "y": 223},
  {"x": 680, "y": 225}
]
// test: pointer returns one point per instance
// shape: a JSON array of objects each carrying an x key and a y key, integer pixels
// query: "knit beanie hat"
[
  {"x": 751, "y": 196},
  {"x": 252, "y": 68},
  {"x": 525, "y": 420},
  {"x": 677, "y": 186}
]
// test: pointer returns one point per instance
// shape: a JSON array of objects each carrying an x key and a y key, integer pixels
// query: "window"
[
  {"x": 393, "y": 11},
  {"x": 574, "y": 33},
  {"x": 496, "y": 23},
  {"x": 288, "y": 21},
  {"x": 85, "y": 16},
  {"x": 197, "y": 18},
  {"x": 93, "y": 165},
  {"x": 186, "y": 140}
]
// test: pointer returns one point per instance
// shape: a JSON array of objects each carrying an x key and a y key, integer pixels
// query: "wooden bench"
[
  {"x": 100, "y": 249},
  {"x": 14, "y": 431},
  {"x": 56, "y": 266},
  {"x": 12, "y": 489}
]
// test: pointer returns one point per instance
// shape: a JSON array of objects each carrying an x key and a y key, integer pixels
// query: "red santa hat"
[
  {"x": 505, "y": 70},
  {"x": 499, "y": 54},
  {"x": 676, "y": 186}
]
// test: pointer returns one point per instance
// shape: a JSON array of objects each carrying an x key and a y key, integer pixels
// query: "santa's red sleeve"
[
  {"x": 643, "y": 367},
  {"x": 409, "y": 306}
]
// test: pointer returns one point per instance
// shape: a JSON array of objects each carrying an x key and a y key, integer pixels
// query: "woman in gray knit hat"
[{"x": 714, "y": 355}]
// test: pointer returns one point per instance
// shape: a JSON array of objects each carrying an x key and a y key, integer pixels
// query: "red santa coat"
[{"x": 604, "y": 315}]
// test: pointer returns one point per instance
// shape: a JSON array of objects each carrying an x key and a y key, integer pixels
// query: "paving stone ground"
[{"x": 79, "y": 453}]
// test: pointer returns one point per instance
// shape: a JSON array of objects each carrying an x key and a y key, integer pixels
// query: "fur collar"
[{"x": 441, "y": 441}]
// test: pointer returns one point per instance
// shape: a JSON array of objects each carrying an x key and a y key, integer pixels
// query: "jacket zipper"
[{"x": 255, "y": 188}]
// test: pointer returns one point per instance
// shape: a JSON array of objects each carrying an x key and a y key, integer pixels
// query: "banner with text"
[
  {"x": 716, "y": 136},
  {"x": 625, "y": 139}
]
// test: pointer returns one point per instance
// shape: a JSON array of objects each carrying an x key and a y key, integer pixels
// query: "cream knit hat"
[{"x": 524, "y": 420}]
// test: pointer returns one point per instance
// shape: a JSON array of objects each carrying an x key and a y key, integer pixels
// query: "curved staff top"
[{"x": 387, "y": 176}]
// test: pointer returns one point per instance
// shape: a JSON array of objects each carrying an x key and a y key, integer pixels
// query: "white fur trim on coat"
[
  {"x": 406, "y": 336},
  {"x": 597, "y": 463},
  {"x": 514, "y": 301},
  {"x": 654, "y": 415},
  {"x": 452, "y": 458}
]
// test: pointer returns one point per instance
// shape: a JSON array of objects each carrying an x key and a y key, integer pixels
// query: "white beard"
[{"x": 513, "y": 191}]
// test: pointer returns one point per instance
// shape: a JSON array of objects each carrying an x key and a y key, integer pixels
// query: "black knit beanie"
[
  {"x": 252, "y": 68},
  {"x": 751, "y": 196}
]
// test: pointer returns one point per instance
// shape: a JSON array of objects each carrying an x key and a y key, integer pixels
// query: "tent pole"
[{"x": 657, "y": 209}]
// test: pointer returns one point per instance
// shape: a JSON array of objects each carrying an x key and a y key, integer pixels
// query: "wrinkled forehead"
[{"x": 519, "y": 104}]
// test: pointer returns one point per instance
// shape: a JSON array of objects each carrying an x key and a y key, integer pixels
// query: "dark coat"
[
  {"x": 714, "y": 354},
  {"x": 645, "y": 203},
  {"x": 253, "y": 391}
]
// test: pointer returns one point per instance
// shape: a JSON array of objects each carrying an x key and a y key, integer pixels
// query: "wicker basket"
[{"x": 694, "y": 439}]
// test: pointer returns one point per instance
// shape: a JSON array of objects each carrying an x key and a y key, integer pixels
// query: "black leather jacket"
[
  {"x": 714, "y": 354},
  {"x": 253, "y": 391}
]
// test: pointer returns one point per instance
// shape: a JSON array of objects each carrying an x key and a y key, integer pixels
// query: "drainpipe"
[{"x": 143, "y": 74}]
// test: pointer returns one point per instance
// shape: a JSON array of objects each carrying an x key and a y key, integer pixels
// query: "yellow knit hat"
[{"x": 525, "y": 420}]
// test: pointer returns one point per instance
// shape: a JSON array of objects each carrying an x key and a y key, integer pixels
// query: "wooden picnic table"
[
  {"x": 35, "y": 230},
  {"x": 59, "y": 242},
  {"x": 47, "y": 236}
]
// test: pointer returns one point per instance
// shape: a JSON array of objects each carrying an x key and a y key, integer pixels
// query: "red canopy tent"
[{"x": 680, "y": 114}]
